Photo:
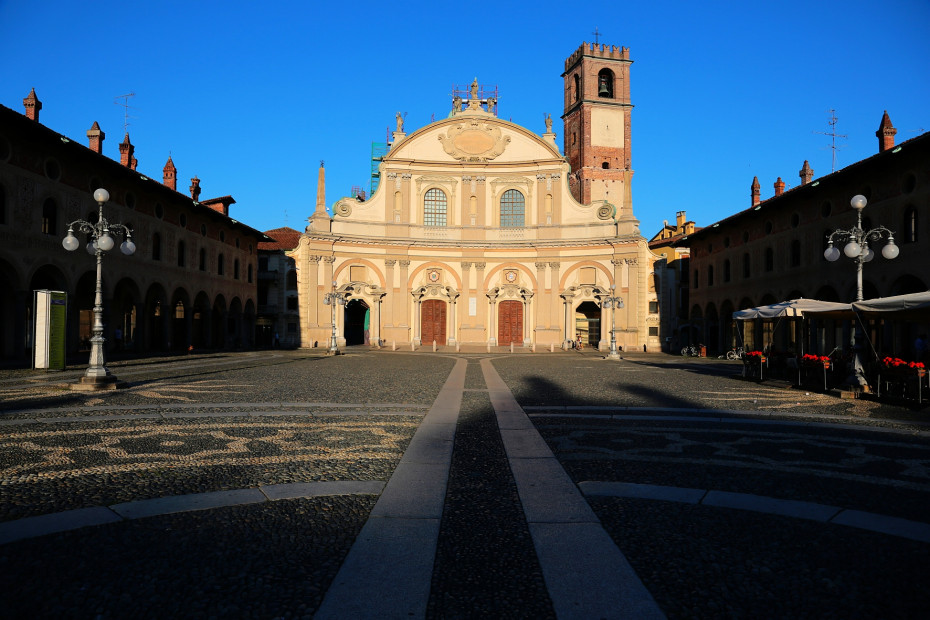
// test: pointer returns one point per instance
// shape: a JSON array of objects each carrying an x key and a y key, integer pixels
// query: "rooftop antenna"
[
  {"x": 596, "y": 34},
  {"x": 833, "y": 135},
  {"x": 125, "y": 105}
]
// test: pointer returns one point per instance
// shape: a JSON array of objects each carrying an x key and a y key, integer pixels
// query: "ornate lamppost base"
[
  {"x": 336, "y": 352},
  {"x": 96, "y": 384}
]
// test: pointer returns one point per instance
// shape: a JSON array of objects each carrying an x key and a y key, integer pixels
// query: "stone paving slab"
[
  {"x": 642, "y": 491},
  {"x": 387, "y": 573},
  {"x": 316, "y": 489},
  {"x": 41, "y": 525},
  {"x": 587, "y": 575},
  {"x": 185, "y": 503},
  {"x": 771, "y": 505},
  {"x": 884, "y": 524}
]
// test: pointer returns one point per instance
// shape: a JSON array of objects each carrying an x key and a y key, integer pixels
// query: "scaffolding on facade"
[
  {"x": 485, "y": 93},
  {"x": 378, "y": 151}
]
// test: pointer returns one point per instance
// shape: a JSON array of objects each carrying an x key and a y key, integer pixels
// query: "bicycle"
[
  {"x": 735, "y": 354},
  {"x": 690, "y": 351}
]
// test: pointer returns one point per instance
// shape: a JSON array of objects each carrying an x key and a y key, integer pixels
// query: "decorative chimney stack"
[
  {"x": 170, "y": 175},
  {"x": 195, "y": 189},
  {"x": 679, "y": 221},
  {"x": 779, "y": 187},
  {"x": 885, "y": 134},
  {"x": 95, "y": 138},
  {"x": 806, "y": 173},
  {"x": 32, "y": 105},
  {"x": 755, "y": 191},
  {"x": 126, "y": 150}
]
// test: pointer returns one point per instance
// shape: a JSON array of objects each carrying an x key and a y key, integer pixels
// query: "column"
[
  {"x": 310, "y": 301},
  {"x": 451, "y": 340},
  {"x": 405, "y": 298},
  {"x": 492, "y": 323},
  {"x": 467, "y": 289},
  {"x": 481, "y": 299},
  {"x": 540, "y": 291},
  {"x": 327, "y": 284},
  {"x": 389, "y": 289},
  {"x": 632, "y": 305},
  {"x": 569, "y": 332}
]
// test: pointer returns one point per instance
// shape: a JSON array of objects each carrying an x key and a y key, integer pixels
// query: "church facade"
[{"x": 482, "y": 233}]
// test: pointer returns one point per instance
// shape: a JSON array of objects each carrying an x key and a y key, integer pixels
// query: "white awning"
[
  {"x": 898, "y": 303},
  {"x": 794, "y": 307}
]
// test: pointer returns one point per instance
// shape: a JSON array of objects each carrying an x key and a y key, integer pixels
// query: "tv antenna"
[
  {"x": 833, "y": 135},
  {"x": 125, "y": 105}
]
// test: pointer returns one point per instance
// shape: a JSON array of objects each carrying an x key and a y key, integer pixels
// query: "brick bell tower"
[{"x": 597, "y": 124}]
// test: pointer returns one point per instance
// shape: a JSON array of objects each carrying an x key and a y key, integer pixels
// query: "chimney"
[
  {"x": 195, "y": 189},
  {"x": 806, "y": 173},
  {"x": 885, "y": 134},
  {"x": 133, "y": 164},
  {"x": 125, "y": 152},
  {"x": 779, "y": 187},
  {"x": 755, "y": 191},
  {"x": 679, "y": 220},
  {"x": 220, "y": 205},
  {"x": 95, "y": 138},
  {"x": 32, "y": 105},
  {"x": 170, "y": 175}
]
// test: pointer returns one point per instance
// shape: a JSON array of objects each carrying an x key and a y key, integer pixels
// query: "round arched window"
[{"x": 513, "y": 208}]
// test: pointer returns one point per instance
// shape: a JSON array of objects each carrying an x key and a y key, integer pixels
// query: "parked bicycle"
[
  {"x": 691, "y": 351},
  {"x": 735, "y": 354}
]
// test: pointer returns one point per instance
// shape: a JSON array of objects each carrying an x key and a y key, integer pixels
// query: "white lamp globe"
[
  {"x": 868, "y": 255},
  {"x": 70, "y": 242},
  {"x": 831, "y": 253},
  {"x": 105, "y": 242},
  {"x": 890, "y": 251},
  {"x": 127, "y": 247},
  {"x": 858, "y": 202},
  {"x": 91, "y": 248},
  {"x": 101, "y": 195},
  {"x": 852, "y": 249}
]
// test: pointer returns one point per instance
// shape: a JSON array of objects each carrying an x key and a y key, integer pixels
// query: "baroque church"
[{"x": 482, "y": 233}]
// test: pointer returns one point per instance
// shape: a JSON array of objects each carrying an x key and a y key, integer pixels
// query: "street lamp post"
[
  {"x": 857, "y": 248},
  {"x": 613, "y": 302},
  {"x": 333, "y": 299},
  {"x": 97, "y": 376}
]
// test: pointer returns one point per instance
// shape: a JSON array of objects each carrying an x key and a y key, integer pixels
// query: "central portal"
[
  {"x": 510, "y": 323},
  {"x": 433, "y": 322}
]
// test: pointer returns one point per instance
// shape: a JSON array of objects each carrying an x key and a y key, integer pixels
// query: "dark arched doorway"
[
  {"x": 356, "y": 321},
  {"x": 588, "y": 323}
]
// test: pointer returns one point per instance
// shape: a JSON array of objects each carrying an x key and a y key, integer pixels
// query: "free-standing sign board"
[{"x": 50, "y": 312}]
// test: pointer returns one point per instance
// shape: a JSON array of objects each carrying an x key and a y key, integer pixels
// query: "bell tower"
[{"x": 597, "y": 124}]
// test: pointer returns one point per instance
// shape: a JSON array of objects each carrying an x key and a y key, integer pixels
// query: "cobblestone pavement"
[{"x": 201, "y": 425}]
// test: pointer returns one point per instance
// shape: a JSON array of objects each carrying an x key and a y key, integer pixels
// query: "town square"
[{"x": 386, "y": 483}]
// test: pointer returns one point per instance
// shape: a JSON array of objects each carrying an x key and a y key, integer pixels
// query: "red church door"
[
  {"x": 510, "y": 322},
  {"x": 433, "y": 322}
]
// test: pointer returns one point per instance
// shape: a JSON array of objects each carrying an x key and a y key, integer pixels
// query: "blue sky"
[{"x": 250, "y": 96}]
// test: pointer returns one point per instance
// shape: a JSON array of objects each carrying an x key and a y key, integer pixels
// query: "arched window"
[
  {"x": 220, "y": 264},
  {"x": 910, "y": 225},
  {"x": 605, "y": 83},
  {"x": 769, "y": 259},
  {"x": 49, "y": 216},
  {"x": 291, "y": 281},
  {"x": 577, "y": 87},
  {"x": 236, "y": 269},
  {"x": 513, "y": 207},
  {"x": 795, "y": 253},
  {"x": 203, "y": 259},
  {"x": 726, "y": 270},
  {"x": 710, "y": 275},
  {"x": 156, "y": 246},
  {"x": 250, "y": 273},
  {"x": 747, "y": 266},
  {"x": 434, "y": 208},
  {"x": 182, "y": 254},
  {"x": 179, "y": 310}
]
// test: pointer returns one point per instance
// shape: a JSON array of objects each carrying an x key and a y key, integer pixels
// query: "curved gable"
[{"x": 473, "y": 138}]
